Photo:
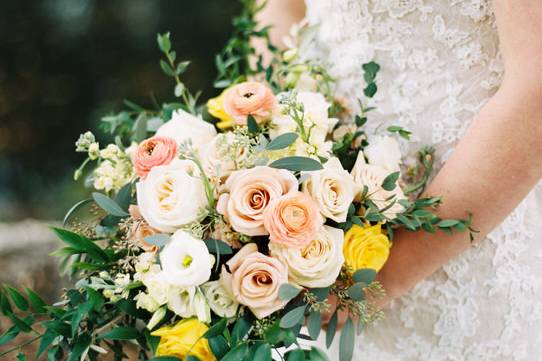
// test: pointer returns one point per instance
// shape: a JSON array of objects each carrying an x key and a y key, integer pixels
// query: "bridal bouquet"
[{"x": 217, "y": 231}]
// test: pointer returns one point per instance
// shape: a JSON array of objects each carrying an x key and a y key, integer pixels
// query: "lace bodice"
[{"x": 440, "y": 64}]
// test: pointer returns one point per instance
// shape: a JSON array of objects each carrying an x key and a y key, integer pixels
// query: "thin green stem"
[{"x": 18, "y": 347}]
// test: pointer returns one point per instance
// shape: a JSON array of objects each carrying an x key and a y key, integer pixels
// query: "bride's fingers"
[{"x": 341, "y": 314}]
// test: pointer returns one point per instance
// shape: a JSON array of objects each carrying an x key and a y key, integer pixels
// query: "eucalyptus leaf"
[
  {"x": 297, "y": 164},
  {"x": 159, "y": 240},
  {"x": 293, "y": 317},
  {"x": 252, "y": 125},
  {"x": 331, "y": 329},
  {"x": 282, "y": 141},
  {"x": 109, "y": 205},
  {"x": 216, "y": 329},
  {"x": 314, "y": 324},
  {"x": 217, "y": 246},
  {"x": 263, "y": 353},
  {"x": 346, "y": 342},
  {"x": 288, "y": 291},
  {"x": 365, "y": 275},
  {"x": 295, "y": 355},
  {"x": 356, "y": 291}
]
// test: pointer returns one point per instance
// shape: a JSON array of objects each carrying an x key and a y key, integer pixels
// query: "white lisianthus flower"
[
  {"x": 316, "y": 265},
  {"x": 372, "y": 176},
  {"x": 219, "y": 299},
  {"x": 189, "y": 302},
  {"x": 332, "y": 188},
  {"x": 184, "y": 126},
  {"x": 147, "y": 302},
  {"x": 186, "y": 261},
  {"x": 383, "y": 151},
  {"x": 172, "y": 196}
]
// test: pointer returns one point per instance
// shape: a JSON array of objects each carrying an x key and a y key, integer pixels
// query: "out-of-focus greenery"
[{"x": 66, "y": 63}]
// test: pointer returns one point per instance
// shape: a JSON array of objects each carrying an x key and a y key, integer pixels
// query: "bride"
[{"x": 466, "y": 76}]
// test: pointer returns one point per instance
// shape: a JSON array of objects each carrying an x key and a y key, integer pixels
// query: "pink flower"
[
  {"x": 254, "y": 280},
  {"x": 292, "y": 220},
  {"x": 248, "y": 193},
  {"x": 152, "y": 152},
  {"x": 249, "y": 98}
]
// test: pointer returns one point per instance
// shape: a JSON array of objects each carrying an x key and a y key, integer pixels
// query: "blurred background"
[{"x": 63, "y": 65}]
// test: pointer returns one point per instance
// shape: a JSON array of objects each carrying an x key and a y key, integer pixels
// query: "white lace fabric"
[{"x": 439, "y": 65}]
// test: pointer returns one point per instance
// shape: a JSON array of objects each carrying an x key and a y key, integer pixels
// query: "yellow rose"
[
  {"x": 215, "y": 107},
  {"x": 366, "y": 247},
  {"x": 183, "y": 339}
]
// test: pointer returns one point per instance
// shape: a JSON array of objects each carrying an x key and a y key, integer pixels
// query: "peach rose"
[
  {"x": 248, "y": 193},
  {"x": 249, "y": 98},
  {"x": 254, "y": 280},
  {"x": 141, "y": 229},
  {"x": 152, "y": 152},
  {"x": 292, "y": 220}
]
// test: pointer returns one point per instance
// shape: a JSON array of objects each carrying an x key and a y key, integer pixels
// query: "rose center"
[
  {"x": 248, "y": 95},
  {"x": 294, "y": 216},
  {"x": 263, "y": 279}
]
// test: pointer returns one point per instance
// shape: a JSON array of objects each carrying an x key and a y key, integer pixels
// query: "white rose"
[
  {"x": 316, "y": 265},
  {"x": 189, "y": 302},
  {"x": 185, "y": 126},
  {"x": 315, "y": 118},
  {"x": 186, "y": 261},
  {"x": 373, "y": 176},
  {"x": 219, "y": 299},
  {"x": 332, "y": 188},
  {"x": 218, "y": 156},
  {"x": 383, "y": 151},
  {"x": 171, "y": 196}
]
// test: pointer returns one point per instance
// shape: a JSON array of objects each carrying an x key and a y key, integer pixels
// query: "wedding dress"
[{"x": 439, "y": 65}]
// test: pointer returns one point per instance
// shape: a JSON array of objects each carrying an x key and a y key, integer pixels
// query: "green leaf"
[
  {"x": 216, "y": 329},
  {"x": 163, "y": 42},
  {"x": 252, "y": 125},
  {"x": 140, "y": 128},
  {"x": 390, "y": 181},
  {"x": 108, "y": 205},
  {"x": 36, "y": 301},
  {"x": 282, "y": 141},
  {"x": 17, "y": 298},
  {"x": 9, "y": 335},
  {"x": 74, "y": 209},
  {"x": 181, "y": 67},
  {"x": 356, "y": 291},
  {"x": 121, "y": 333},
  {"x": 447, "y": 223},
  {"x": 192, "y": 358},
  {"x": 321, "y": 293},
  {"x": 219, "y": 346},
  {"x": 314, "y": 324},
  {"x": 370, "y": 90},
  {"x": 331, "y": 329},
  {"x": 238, "y": 353},
  {"x": 371, "y": 68},
  {"x": 159, "y": 240},
  {"x": 166, "y": 68},
  {"x": 263, "y": 353},
  {"x": 365, "y": 275},
  {"x": 240, "y": 329},
  {"x": 297, "y": 164},
  {"x": 315, "y": 354},
  {"x": 82, "y": 243},
  {"x": 21, "y": 356},
  {"x": 295, "y": 355},
  {"x": 165, "y": 358},
  {"x": 46, "y": 341},
  {"x": 293, "y": 317},
  {"x": 288, "y": 291},
  {"x": 81, "y": 344},
  {"x": 346, "y": 342},
  {"x": 23, "y": 325},
  {"x": 217, "y": 246}
]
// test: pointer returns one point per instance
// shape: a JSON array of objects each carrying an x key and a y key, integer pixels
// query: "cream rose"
[
  {"x": 332, "y": 188},
  {"x": 184, "y": 126},
  {"x": 254, "y": 280},
  {"x": 373, "y": 176},
  {"x": 248, "y": 193},
  {"x": 186, "y": 261},
  {"x": 317, "y": 264},
  {"x": 171, "y": 196},
  {"x": 383, "y": 151},
  {"x": 219, "y": 299}
]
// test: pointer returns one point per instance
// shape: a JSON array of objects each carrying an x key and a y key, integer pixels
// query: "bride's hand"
[{"x": 519, "y": 23}]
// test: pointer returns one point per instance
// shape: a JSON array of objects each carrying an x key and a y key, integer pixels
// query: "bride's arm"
[
  {"x": 498, "y": 161},
  {"x": 281, "y": 14}
]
